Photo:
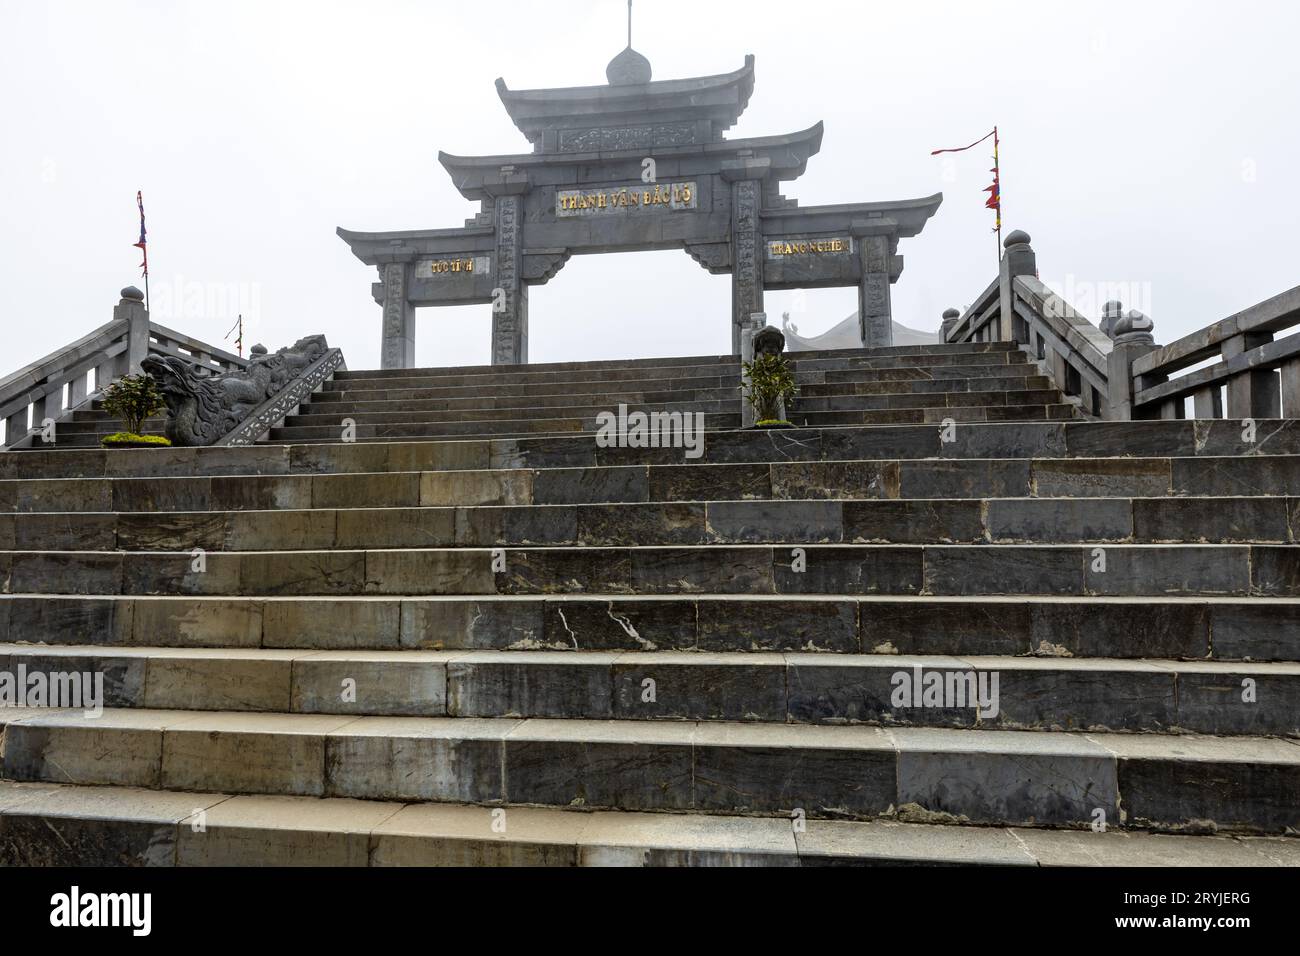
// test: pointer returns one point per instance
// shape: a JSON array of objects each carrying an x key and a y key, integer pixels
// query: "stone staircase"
[{"x": 475, "y": 637}]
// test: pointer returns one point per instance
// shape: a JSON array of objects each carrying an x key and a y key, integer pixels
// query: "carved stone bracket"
[
  {"x": 714, "y": 256},
  {"x": 540, "y": 266}
]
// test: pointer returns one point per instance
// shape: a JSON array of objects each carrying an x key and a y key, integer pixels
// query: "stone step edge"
[
  {"x": 328, "y": 409},
  {"x": 14, "y": 652},
  {"x": 1191, "y": 748},
  {"x": 885, "y": 351},
  {"x": 501, "y": 375},
  {"x": 163, "y": 828},
  {"x": 91, "y": 462},
  {"x": 211, "y": 529}
]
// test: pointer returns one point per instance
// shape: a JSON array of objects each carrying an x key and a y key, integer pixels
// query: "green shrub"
[
  {"x": 133, "y": 399},
  {"x": 130, "y": 438},
  {"x": 771, "y": 381}
]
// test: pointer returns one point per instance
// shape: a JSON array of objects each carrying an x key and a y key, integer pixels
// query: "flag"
[
  {"x": 142, "y": 245},
  {"x": 994, "y": 201}
]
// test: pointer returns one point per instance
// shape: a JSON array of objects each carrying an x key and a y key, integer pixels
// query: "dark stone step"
[
  {"x": 986, "y": 777},
  {"x": 380, "y": 525},
  {"x": 1259, "y": 629},
  {"x": 900, "y": 570},
  {"x": 1131, "y": 443},
  {"x": 988, "y": 693}
]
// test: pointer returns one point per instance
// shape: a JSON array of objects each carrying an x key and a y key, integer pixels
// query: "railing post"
[
  {"x": 131, "y": 308},
  {"x": 950, "y": 319},
  {"x": 1251, "y": 394},
  {"x": 1018, "y": 260},
  {"x": 1291, "y": 389},
  {"x": 1132, "y": 335},
  {"x": 16, "y": 426}
]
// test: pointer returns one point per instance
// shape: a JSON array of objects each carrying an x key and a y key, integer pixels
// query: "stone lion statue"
[{"x": 204, "y": 406}]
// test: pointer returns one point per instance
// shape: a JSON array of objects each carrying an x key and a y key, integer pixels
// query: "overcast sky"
[{"x": 1149, "y": 147}]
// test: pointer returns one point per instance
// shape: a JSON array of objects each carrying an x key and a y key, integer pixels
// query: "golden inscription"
[
  {"x": 809, "y": 247},
  {"x": 674, "y": 196},
  {"x": 439, "y": 266}
]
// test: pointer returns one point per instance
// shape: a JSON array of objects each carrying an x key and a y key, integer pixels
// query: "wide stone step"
[
  {"x": 809, "y": 363},
  {"x": 904, "y": 409},
  {"x": 989, "y": 693},
  {"x": 343, "y": 404},
  {"x": 862, "y": 381},
  {"x": 63, "y": 825},
  {"x": 709, "y": 401},
  {"x": 459, "y": 427},
  {"x": 644, "y": 364},
  {"x": 943, "y": 521},
  {"x": 654, "y": 391},
  {"x": 941, "y": 570},
  {"x": 450, "y": 427},
  {"x": 989, "y": 777},
  {"x": 1259, "y": 629},
  {"x": 1075, "y": 484},
  {"x": 1050, "y": 440},
  {"x": 330, "y": 417}
]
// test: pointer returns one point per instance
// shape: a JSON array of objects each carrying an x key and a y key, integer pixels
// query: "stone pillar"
[
  {"x": 746, "y": 177},
  {"x": 1018, "y": 260},
  {"x": 510, "y": 296},
  {"x": 131, "y": 310},
  {"x": 950, "y": 319},
  {"x": 397, "y": 348},
  {"x": 747, "y": 259},
  {"x": 1255, "y": 394},
  {"x": 875, "y": 311},
  {"x": 1133, "y": 339},
  {"x": 1291, "y": 389}
]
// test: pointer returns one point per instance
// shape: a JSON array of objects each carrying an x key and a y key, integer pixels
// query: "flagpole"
[{"x": 997, "y": 176}]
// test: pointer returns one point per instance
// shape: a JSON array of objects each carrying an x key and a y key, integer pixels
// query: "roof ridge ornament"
[{"x": 629, "y": 68}]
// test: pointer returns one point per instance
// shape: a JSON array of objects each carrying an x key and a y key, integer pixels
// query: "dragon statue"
[{"x": 204, "y": 406}]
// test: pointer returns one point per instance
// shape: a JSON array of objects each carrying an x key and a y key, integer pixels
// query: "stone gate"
[{"x": 636, "y": 165}]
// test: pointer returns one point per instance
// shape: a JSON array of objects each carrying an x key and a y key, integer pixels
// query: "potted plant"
[
  {"x": 133, "y": 399},
  {"x": 771, "y": 385}
]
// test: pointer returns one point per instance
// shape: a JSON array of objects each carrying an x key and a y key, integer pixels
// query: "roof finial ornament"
[{"x": 629, "y": 68}]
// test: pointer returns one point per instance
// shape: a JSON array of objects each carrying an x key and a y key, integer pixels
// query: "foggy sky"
[{"x": 1150, "y": 148}]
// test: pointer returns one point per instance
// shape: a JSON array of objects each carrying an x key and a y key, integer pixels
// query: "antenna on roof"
[{"x": 629, "y": 22}]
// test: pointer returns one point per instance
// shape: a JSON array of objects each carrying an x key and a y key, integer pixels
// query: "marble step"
[
  {"x": 989, "y": 693},
  {"x": 813, "y": 364},
  {"x": 64, "y": 825},
  {"x": 985, "y": 777},
  {"x": 1046, "y": 440},
  {"x": 586, "y": 426},
  {"x": 1120, "y": 570},
  {"x": 1263, "y": 520},
  {"x": 962, "y": 348},
  {"x": 716, "y": 401},
  {"x": 1013, "y": 379},
  {"x": 1073, "y": 483},
  {"x": 862, "y": 381},
  {"x": 1212, "y": 628},
  {"x": 905, "y": 409}
]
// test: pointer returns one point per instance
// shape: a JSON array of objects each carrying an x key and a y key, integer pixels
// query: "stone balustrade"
[
  {"x": 1115, "y": 370},
  {"x": 60, "y": 383}
]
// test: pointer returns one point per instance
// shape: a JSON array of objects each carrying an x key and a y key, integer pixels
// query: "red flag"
[
  {"x": 142, "y": 245},
  {"x": 963, "y": 149}
]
